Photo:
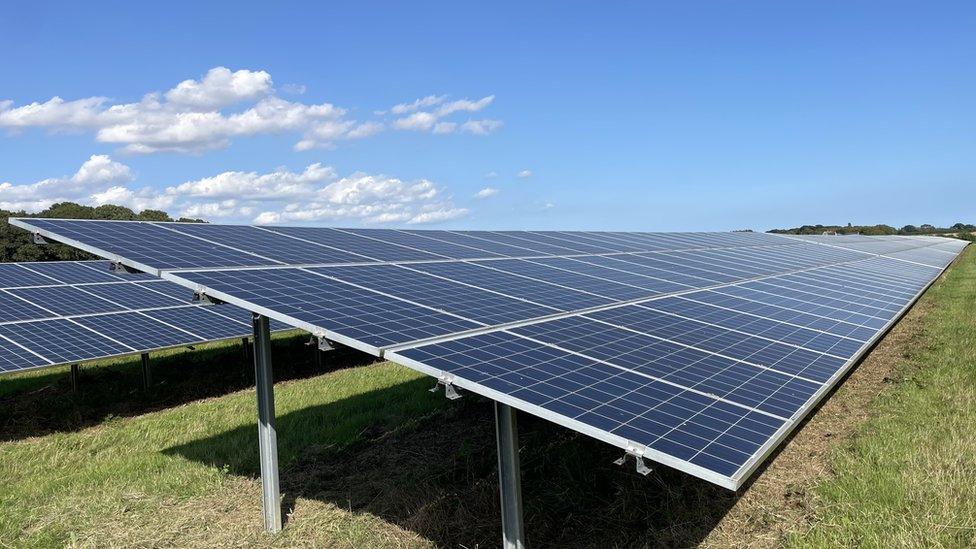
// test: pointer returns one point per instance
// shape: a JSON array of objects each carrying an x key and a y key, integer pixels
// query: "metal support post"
[
  {"x": 146, "y": 372},
  {"x": 267, "y": 440},
  {"x": 509, "y": 476},
  {"x": 245, "y": 356},
  {"x": 74, "y": 378}
]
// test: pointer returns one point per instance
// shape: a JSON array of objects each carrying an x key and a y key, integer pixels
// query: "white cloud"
[
  {"x": 315, "y": 194},
  {"x": 524, "y": 173},
  {"x": 429, "y": 101},
  {"x": 491, "y": 175},
  {"x": 480, "y": 127},
  {"x": 219, "y": 88},
  {"x": 294, "y": 89},
  {"x": 486, "y": 192},
  {"x": 430, "y": 120},
  {"x": 200, "y": 115}
]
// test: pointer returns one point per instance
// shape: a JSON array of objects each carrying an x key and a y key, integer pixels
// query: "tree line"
[
  {"x": 958, "y": 230},
  {"x": 17, "y": 244}
]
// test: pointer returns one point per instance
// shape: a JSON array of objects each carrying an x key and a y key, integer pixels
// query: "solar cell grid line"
[
  {"x": 759, "y": 296},
  {"x": 848, "y": 284},
  {"x": 540, "y": 248},
  {"x": 488, "y": 245},
  {"x": 708, "y": 374},
  {"x": 679, "y": 257},
  {"x": 70, "y": 272},
  {"x": 599, "y": 286},
  {"x": 139, "y": 331},
  {"x": 14, "y": 357},
  {"x": 483, "y": 275},
  {"x": 363, "y": 319},
  {"x": 861, "y": 278},
  {"x": 749, "y": 322},
  {"x": 779, "y": 332},
  {"x": 752, "y": 265},
  {"x": 463, "y": 300},
  {"x": 266, "y": 244},
  {"x": 610, "y": 262},
  {"x": 66, "y": 300},
  {"x": 603, "y": 240},
  {"x": 62, "y": 341},
  {"x": 553, "y": 240},
  {"x": 126, "y": 294},
  {"x": 858, "y": 296},
  {"x": 362, "y": 244},
  {"x": 671, "y": 265},
  {"x": 825, "y": 296},
  {"x": 209, "y": 324},
  {"x": 429, "y": 245},
  {"x": 782, "y": 313},
  {"x": 13, "y": 308},
  {"x": 815, "y": 298},
  {"x": 13, "y": 275},
  {"x": 719, "y": 341},
  {"x": 141, "y": 244},
  {"x": 653, "y": 284}
]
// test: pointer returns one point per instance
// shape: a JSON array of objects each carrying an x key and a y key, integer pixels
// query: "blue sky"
[{"x": 679, "y": 116}]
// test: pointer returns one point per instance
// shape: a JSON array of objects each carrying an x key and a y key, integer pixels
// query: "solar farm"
[{"x": 687, "y": 357}]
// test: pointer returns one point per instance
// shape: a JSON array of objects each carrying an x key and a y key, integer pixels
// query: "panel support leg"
[
  {"x": 509, "y": 476},
  {"x": 245, "y": 356},
  {"x": 74, "y": 378},
  {"x": 146, "y": 372},
  {"x": 267, "y": 440}
]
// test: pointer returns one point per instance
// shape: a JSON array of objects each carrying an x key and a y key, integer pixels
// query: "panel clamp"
[
  {"x": 202, "y": 297},
  {"x": 449, "y": 391},
  {"x": 638, "y": 454},
  {"x": 122, "y": 268}
]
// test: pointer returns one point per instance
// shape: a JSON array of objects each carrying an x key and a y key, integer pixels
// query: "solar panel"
[
  {"x": 95, "y": 309},
  {"x": 700, "y": 350}
]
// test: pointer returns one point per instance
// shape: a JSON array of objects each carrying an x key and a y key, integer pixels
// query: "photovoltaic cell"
[
  {"x": 62, "y": 341},
  {"x": 66, "y": 300},
  {"x": 356, "y": 313},
  {"x": 70, "y": 272},
  {"x": 445, "y": 295}
]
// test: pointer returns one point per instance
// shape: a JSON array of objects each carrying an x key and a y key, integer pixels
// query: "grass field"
[{"x": 370, "y": 458}]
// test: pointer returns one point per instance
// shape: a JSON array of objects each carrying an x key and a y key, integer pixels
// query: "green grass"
[
  {"x": 909, "y": 477},
  {"x": 67, "y": 485}
]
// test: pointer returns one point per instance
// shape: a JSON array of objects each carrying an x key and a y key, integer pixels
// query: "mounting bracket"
[
  {"x": 201, "y": 297},
  {"x": 38, "y": 239},
  {"x": 321, "y": 342},
  {"x": 122, "y": 268},
  {"x": 638, "y": 454},
  {"x": 449, "y": 391}
]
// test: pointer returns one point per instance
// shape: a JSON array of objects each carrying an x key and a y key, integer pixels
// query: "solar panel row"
[
  {"x": 698, "y": 350},
  {"x": 64, "y": 312}
]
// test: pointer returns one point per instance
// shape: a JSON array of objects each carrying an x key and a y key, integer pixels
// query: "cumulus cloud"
[
  {"x": 315, "y": 194},
  {"x": 486, "y": 192},
  {"x": 198, "y": 115},
  {"x": 524, "y": 173}
]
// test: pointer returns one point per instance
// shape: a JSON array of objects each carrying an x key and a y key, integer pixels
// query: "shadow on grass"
[
  {"x": 41, "y": 403},
  {"x": 435, "y": 474}
]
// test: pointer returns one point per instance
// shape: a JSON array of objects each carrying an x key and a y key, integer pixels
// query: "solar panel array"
[
  {"x": 72, "y": 311},
  {"x": 698, "y": 350}
]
